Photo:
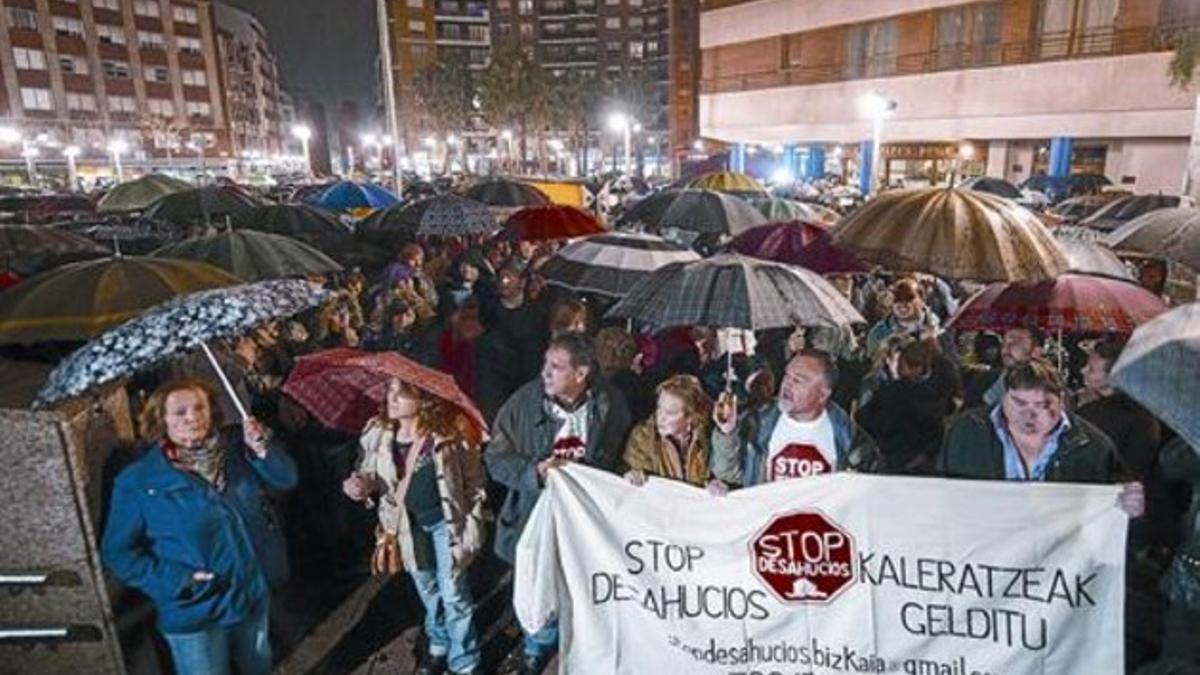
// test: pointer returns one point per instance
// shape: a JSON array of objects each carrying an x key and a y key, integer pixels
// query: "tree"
[
  {"x": 513, "y": 91},
  {"x": 574, "y": 110},
  {"x": 444, "y": 92},
  {"x": 1182, "y": 71},
  {"x": 164, "y": 132}
]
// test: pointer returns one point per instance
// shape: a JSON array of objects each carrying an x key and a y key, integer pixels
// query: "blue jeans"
[
  {"x": 213, "y": 650},
  {"x": 449, "y": 609},
  {"x": 543, "y": 643}
]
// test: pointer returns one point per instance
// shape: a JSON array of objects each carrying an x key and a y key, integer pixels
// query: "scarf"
[
  {"x": 206, "y": 460},
  {"x": 570, "y": 441}
]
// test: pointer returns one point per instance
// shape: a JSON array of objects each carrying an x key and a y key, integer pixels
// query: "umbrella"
[
  {"x": 808, "y": 245},
  {"x": 441, "y": 216},
  {"x": 957, "y": 234},
  {"x": 253, "y": 256},
  {"x": 1160, "y": 368},
  {"x": 350, "y": 196},
  {"x": 202, "y": 205},
  {"x": 82, "y": 300},
  {"x": 1077, "y": 208},
  {"x": 735, "y": 291},
  {"x": 1170, "y": 234},
  {"x": 548, "y": 223},
  {"x": 37, "y": 209},
  {"x": 708, "y": 212},
  {"x": 611, "y": 264},
  {"x": 729, "y": 182},
  {"x": 1094, "y": 259},
  {"x": 175, "y": 327},
  {"x": 1073, "y": 303},
  {"x": 649, "y": 210},
  {"x": 995, "y": 186},
  {"x": 136, "y": 195},
  {"x": 779, "y": 210},
  {"x": 1120, "y": 211},
  {"x": 507, "y": 194},
  {"x": 30, "y": 249},
  {"x": 343, "y": 388},
  {"x": 308, "y": 193},
  {"x": 300, "y": 221},
  {"x": 1078, "y": 233}
]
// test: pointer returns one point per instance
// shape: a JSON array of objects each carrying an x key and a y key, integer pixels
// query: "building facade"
[
  {"x": 608, "y": 40},
  {"x": 1033, "y": 86},
  {"x": 85, "y": 73},
  {"x": 250, "y": 76}
]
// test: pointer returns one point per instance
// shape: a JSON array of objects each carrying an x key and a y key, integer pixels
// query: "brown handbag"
[{"x": 385, "y": 560}]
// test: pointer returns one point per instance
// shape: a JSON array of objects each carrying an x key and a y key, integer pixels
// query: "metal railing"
[{"x": 1039, "y": 48}]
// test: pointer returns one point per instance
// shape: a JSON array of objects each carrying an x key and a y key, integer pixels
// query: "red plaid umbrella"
[
  {"x": 544, "y": 223},
  {"x": 1071, "y": 303},
  {"x": 344, "y": 388},
  {"x": 800, "y": 243}
]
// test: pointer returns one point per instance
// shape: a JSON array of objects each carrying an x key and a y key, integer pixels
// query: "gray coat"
[{"x": 523, "y": 435}]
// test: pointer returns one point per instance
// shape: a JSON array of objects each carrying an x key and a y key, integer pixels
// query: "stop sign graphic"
[
  {"x": 804, "y": 557},
  {"x": 798, "y": 460}
]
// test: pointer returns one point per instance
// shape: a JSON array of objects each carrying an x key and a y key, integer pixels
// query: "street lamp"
[
  {"x": 116, "y": 148},
  {"x": 71, "y": 152},
  {"x": 303, "y": 133},
  {"x": 9, "y": 135},
  {"x": 620, "y": 123},
  {"x": 876, "y": 106},
  {"x": 30, "y": 153}
]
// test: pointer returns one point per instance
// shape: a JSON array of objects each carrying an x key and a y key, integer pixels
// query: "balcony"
[
  {"x": 462, "y": 12},
  {"x": 1035, "y": 49}
]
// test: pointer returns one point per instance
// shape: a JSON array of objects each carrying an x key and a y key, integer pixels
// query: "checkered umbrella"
[
  {"x": 176, "y": 327},
  {"x": 1160, "y": 368},
  {"x": 344, "y": 388},
  {"x": 735, "y": 291},
  {"x": 440, "y": 216},
  {"x": 612, "y": 264}
]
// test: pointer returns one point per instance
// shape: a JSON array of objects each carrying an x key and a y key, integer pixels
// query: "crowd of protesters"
[{"x": 559, "y": 383}]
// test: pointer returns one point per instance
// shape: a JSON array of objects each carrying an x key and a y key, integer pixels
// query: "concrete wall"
[
  {"x": 1155, "y": 164},
  {"x": 1034, "y": 101}
]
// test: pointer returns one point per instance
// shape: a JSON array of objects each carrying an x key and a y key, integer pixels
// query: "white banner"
[{"x": 834, "y": 574}]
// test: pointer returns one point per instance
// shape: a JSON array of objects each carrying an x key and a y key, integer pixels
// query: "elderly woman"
[
  {"x": 674, "y": 443},
  {"x": 423, "y": 461},
  {"x": 187, "y": 526}
]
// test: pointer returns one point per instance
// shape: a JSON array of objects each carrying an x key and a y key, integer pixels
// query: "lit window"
[
  {"x": 29, "y": 59},
  {"x": 185, "y": 14},
  {"x": 65, "y": 25},
  {"x": 113, "y": 35},
  {"x": 146, "y": 8},
  {"x": 36, "y": 99}
]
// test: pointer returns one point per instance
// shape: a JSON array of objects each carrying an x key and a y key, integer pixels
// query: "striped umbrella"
[
  {"x": 1170, "y": 234},
  {"x": 787, "y": 210},
  {"x": 440, "y": 216},
  {"x": 1160, "y": 368},
  {"x": 611, "y": 264},
  {"x": 708, "y": 212},
  {"x": 735, "y": 291},
  {"x": 956, "y": 234},
  {"x": 729, "y": 182},
  {"x": 1072, "y": 303}
]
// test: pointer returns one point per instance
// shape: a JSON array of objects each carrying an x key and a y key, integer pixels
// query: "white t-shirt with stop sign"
[{"x": 801, "y": 449}]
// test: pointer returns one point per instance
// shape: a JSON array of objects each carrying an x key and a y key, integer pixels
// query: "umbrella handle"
[{"x": 237, "y": 402}]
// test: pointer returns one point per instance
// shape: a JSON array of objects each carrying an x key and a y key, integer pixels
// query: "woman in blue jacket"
[{"x": 187, "y": 527}]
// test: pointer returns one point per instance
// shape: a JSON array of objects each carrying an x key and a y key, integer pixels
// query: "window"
[
  {"x": 65, "y": 25},
  {"x": 612, "y": 2},
  {"x": 635, "y": 3},
  {"x": 81, "y": 102},
  {"x": 29, "y": 59},
  {"x": 653, "y": 47},
  {"x": 871, "y": 49},
  {"x": 554, "y": 28},
  {"x": 112, "y": 35},
  {"x": 636, "y": 22},
  {"x": 146, "y": 8},
  {"x": 22, "y": 19},
  {"x": 74, "y": 65},
  {"x": 188, "y": 45},
  {"x": 148, "y": 40},
  {"x": 968, "y": 36},
  {"x": 195, "y": 78},
  {"x": 185, "y": 14},
  {"x": 199, "y": 109},
  {"x": 36, "y": 99},
  {"x": 636, "y": 50},
  {"x": 525, "y": 6},
  {"x": 526, "y": 30},
  {"x": 157, "y": 73},
  {"x": 585, "y": 4},
  {"x": 613, "y": 47},
  {"x": 1075, "y": 27},
  {"x": 478, "y": 33},
  {"x": 160, "y": 107},
  {"x": 501, "y": 5},
  {"x": 416, "y": 4},
  {"x": 555, "y": 5},
  {"x": 613, "y": 23},
  {"x": 115, "y": 70},
  {"x": 585, "y": 27},
  {"x": 114, "y": 5},
  {"x": 121, "y": 104},
  {"x": 416, "y": 26}
]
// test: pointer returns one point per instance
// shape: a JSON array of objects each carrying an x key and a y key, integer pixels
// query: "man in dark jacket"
[
  {"x": 568, "y": 415},
  {"x": 1029, "y": 436},
  {"x": 804, "y": 434}
]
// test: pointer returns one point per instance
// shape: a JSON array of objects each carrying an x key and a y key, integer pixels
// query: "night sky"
[{"x": 326, "y": 48}]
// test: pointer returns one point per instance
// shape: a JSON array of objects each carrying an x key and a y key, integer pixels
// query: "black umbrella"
[
  {"x": 1123, "y": 210},
  {"x": 202, "y": 205},
  {"x": 648, "y": 212},
  {"x": 735, "y": 291},
  {"x": 709, "y": 212},
  {"x": 300, "y": 221},
  {"x": 253, "y": 256},
  {"x": 995, "y": 186},
  {"x": 507, "y": 194},
  {"x": 442, "y": 216},
  {"x": 29, "y": 249}
]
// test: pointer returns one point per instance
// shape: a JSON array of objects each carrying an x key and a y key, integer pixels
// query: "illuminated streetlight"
[
  {"x": 116, "y": 148},
  {"x": 622, "y": 124},
  {"x": 9, "y": 135},
  {"x": 303, "y": 133},
  {"x": 30, "y": 153},
  {"x": 966, "y": 151},
  {"x": 71, "y": 152},
  {"x": 875, "y": 106},
  {"x": 698, "y": 146}
]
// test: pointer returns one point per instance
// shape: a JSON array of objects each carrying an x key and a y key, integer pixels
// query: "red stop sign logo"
[
  {"x": 804, "y": 557},
  {"x": 798, "y": 460}
]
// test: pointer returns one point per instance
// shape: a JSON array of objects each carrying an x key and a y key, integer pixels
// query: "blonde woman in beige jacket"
[{"x": 417, "y": 460}]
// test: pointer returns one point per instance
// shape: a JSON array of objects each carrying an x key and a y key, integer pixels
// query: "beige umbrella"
[{"x": 956, "y": 234}]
